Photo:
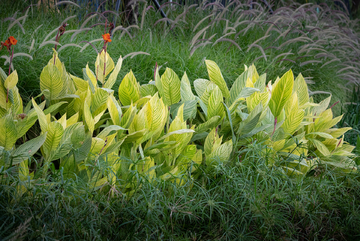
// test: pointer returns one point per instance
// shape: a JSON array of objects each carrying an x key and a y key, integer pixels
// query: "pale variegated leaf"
[
  {"x": 8, "y": 137},
  {"x": 148, "y": 89},
  {"x": 114, "y": 110},
  {"x": 281, "y": 93},
  {"x": 11, "y": 80},
  {"x": 51, "y": 79},
  {"x": 89, "y": 120},
  {"x": 301, "y": 89},
  {"x": 215, "y": 105},
  {"x": 200, "y": 86},
  {"x": 112, "y": 78},
  {"x": 171, "y": 87},
  {"x": 181, "y": 131},
  {"x": 216, "y": 77},
  {"x": 185, "y": 89},
  {"x": 54, "y": 134},
  {"x": 103, "y": 66},
  {"x": 129, "y": 89}
]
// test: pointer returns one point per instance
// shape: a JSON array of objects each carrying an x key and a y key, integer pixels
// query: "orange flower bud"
[
  {"x": 12, "y": 40},
  {"x": 106, "y": 37}
]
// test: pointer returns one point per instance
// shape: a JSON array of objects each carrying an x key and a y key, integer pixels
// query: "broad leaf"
[
  {"x": 281, "y": 93},
  {"x": 216, "y": 77}
]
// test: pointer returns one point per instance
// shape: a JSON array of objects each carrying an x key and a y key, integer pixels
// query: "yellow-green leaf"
[
  {"x": 215, "y": 105},
  {"x": 129, "y": 89},
  {"x": 185, "y": 89},
  {"x": 103, "y": 60},
  {"x": 112, "y": 78},
  {"x": 216, "y": 77},
  {"x": 41, "y": 116},
  {"x": 8, "y": 136},
  {"x": 114, "y": 110},
  {"x": 171, "y": 87},
  {"x": 88, "y": 117},
  {"x": 301, "y": 89},
  {"x": 11, "y": 80},
  {"x": 50, "y": 79},
  {"x": 281, "y": 93}
]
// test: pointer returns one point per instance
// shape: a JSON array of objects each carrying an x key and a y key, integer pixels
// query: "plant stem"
[
  {"x": 104, "y": 66},
  {"x": 56, "y": 40},
  {"x": 275, "y": 122},
  {"x": 11, "y": 58}
]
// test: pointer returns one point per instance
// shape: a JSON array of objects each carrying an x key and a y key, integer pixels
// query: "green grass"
[
  {"x": 172, "y": 49},
  {"x": 244, "y": 202}
]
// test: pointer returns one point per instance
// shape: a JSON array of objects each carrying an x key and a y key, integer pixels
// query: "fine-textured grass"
[
  {"x": 352, "y": 117},
  {"x": 246, "y": 201},
  {"x": 323, "y": 47}
]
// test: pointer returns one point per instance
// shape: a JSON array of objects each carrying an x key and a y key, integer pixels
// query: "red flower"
[
  {"x": 106, "y": 37},
  {"x": 12, "y": 40}
]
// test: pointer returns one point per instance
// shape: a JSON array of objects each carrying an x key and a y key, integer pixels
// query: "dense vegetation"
[{"x": 182, "y": 137}]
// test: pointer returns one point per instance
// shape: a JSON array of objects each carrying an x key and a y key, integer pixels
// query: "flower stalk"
[
  {"x": 107, "y": 39},
  {"x": 9, "y": 44},
  {"x": 60, "y": 32}
]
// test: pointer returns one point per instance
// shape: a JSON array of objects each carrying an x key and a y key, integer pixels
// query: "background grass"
[{"x": 331, "y": 36}]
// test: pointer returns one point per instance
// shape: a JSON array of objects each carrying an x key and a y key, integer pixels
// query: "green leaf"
[
  {"x": 221, "y": 154},
  {"x": 28, "y": 149},
  {"x": 54, "y": 108},
  {"x": 53, "y": 138},
  {"x": 216, "y": 77},
  {"x": 215, "y": 105},
  {"x": 231, "y": 123},
  {"x": 109, "y": 130},
  {"x": 112, "y": 78},
  {"x": 129, "y": 89},
  {"x": 293, "y": 115},
  {"x": 211, "y": 123},
  {"x": 50, "y": 79},
  {"x": 103, "y": 60},
  {"x": 181, "y": 131},
  {"x": 237, "y": 87},
  {"x": 99, "y": 99},
  {"x": 251, "y": 121},
  {"x": 8, "y": 137},
  {"x": 281, "y": 93},
  {"x": 17, "y": 105},
  {"x": 323, "y": 105},
  {"x": 260, "y": 83},
  {"x": 66, "y": 144},
  {"x": 200, "y": 86},
  {"x": 114, "y": 110},
  {"x": 80, "y": 84},
  {"x": 90, "y": 78},
  {"x": 89, "y": 120},
  {"x": 320, "y": 147},
  {"x": 185, "y": 89},
  {"x": 148, "y": 89},
  {"x": 321, "y": 134},
  {"x": 41, "y": 116},
  {"x": 11, "y": 80},
  {"x": 301, "y": 89},
  {"x": 170, "y": 87},
  {"x": 190, "y": 108}
]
